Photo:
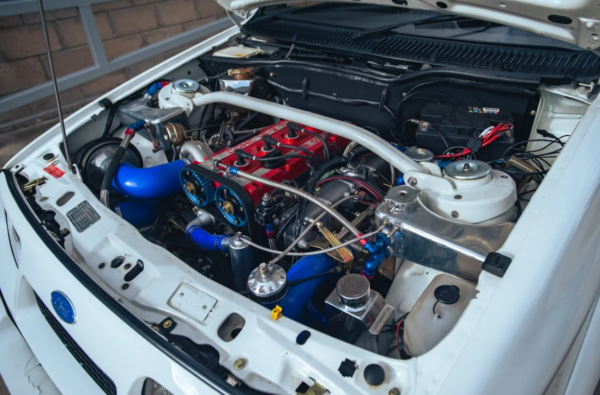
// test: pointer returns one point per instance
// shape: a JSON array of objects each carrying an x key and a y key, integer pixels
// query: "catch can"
[{"x": 242, "y": 261}]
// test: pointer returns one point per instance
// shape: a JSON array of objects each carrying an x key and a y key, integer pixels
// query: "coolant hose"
[
  {"x": 298, "y": 296},
  {"x": 207, "y": 241},
  {"x": 148, "y": 182}
]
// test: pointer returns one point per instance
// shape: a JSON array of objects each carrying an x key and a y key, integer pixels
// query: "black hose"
[
  {"x": 109, "y": 120},
  {"x": 359, "y": 150},
  {"x": 111, "y": 170},
  {"x": 324, "y": 168},
  {"x": 248, "y": 119}
]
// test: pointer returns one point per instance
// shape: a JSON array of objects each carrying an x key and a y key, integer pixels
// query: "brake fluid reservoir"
[{"x": 436, "y": 312}]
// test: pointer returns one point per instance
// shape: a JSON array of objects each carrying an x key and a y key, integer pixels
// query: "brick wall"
[{"x": 124, "y": 25}]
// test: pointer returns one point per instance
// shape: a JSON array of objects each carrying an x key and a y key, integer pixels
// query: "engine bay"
[{"x": 360, "y": 209}]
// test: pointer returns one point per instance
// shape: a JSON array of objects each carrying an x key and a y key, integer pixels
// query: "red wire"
[{"x": 488, "y": 139}]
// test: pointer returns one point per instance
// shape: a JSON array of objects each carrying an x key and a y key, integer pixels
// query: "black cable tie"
[
  {"x": 305, "y": 88},
  {"x": 383, "y": 98}
]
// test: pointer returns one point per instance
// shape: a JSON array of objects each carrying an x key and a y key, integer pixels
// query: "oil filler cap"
[{"x": 353, "y": 291}]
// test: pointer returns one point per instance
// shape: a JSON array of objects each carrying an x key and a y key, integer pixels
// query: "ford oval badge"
[{"x": 63, "y": 307}]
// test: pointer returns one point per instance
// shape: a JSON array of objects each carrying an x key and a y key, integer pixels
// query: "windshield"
[{"x": 375, "y": 20}]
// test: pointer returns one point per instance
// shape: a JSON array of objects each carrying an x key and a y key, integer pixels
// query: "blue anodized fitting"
[{"x": 378, "y": 251}]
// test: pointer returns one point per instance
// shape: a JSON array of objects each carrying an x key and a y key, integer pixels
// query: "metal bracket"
[{"x": 343, "y": 254}]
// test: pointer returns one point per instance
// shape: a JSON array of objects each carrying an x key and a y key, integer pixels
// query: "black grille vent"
[
  {"x": 544, "y": 63},
  {"x": 103, "y": 381}
]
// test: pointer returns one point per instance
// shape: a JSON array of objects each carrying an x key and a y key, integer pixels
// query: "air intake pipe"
[{"x": 149, "y": 182}]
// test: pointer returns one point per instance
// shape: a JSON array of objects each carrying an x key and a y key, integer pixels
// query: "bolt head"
[
  {"x": 412, "y": 181},
  {"x": 532, "y": 112},
  {"x": 239, "y": 364},
  {"x": 454, "y": 214},
  {"x": 457, "y": 197},
  {"x": 394, "y": 391}
]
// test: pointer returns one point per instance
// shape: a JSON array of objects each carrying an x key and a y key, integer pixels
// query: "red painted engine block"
[{"x": 290, "y": 170}]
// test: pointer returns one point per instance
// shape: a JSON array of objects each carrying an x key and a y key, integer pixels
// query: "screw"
[
  {"x": 167, "y": 324},
  {"x": 394, "y": 391},
  {"x": 101, "y": 266},
  {"x": 454, "y": 214},
  {"x": 404, "y": 94},
  {"x": 503, "y": 176},
  {"x": 466, "y": 167},
  {"x": 457, "y": 197},
  {"x": 532, "y": 112},
  {"x": 412, "y": 181},
  {"x": 181, "y": 294},
  {"x": 43, "y": 198},
  {"x": 239, "y": 364},
  {"x": 203, "y": 307},
  {"x": 124, "y": 286}
]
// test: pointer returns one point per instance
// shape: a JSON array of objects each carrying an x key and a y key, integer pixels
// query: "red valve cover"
[{"x": 292, "y": 168}]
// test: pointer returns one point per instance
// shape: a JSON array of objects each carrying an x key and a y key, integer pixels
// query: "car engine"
[{"x": 316, "y": 194}]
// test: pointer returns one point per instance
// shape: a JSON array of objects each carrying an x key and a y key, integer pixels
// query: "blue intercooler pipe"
[
  {"x": 138, "y": 214},
  {"x": 148, "y": 182},
  {"x": 298, "y": 296},
  {"x": 206, "y": 240}
]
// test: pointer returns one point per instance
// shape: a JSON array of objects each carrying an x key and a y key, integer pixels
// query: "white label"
[{"x": 192, "y": 302}]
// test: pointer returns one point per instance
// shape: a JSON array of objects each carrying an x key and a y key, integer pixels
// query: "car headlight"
[
  {"x": 151, "y": 387},
  {"x": 14, "y": 240}
]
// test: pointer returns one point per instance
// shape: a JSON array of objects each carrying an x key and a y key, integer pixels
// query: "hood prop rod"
[{"x": 53, "y": 77}]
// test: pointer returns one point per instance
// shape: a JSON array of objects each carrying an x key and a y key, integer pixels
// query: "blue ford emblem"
[{"x": 63, "y": 307}]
